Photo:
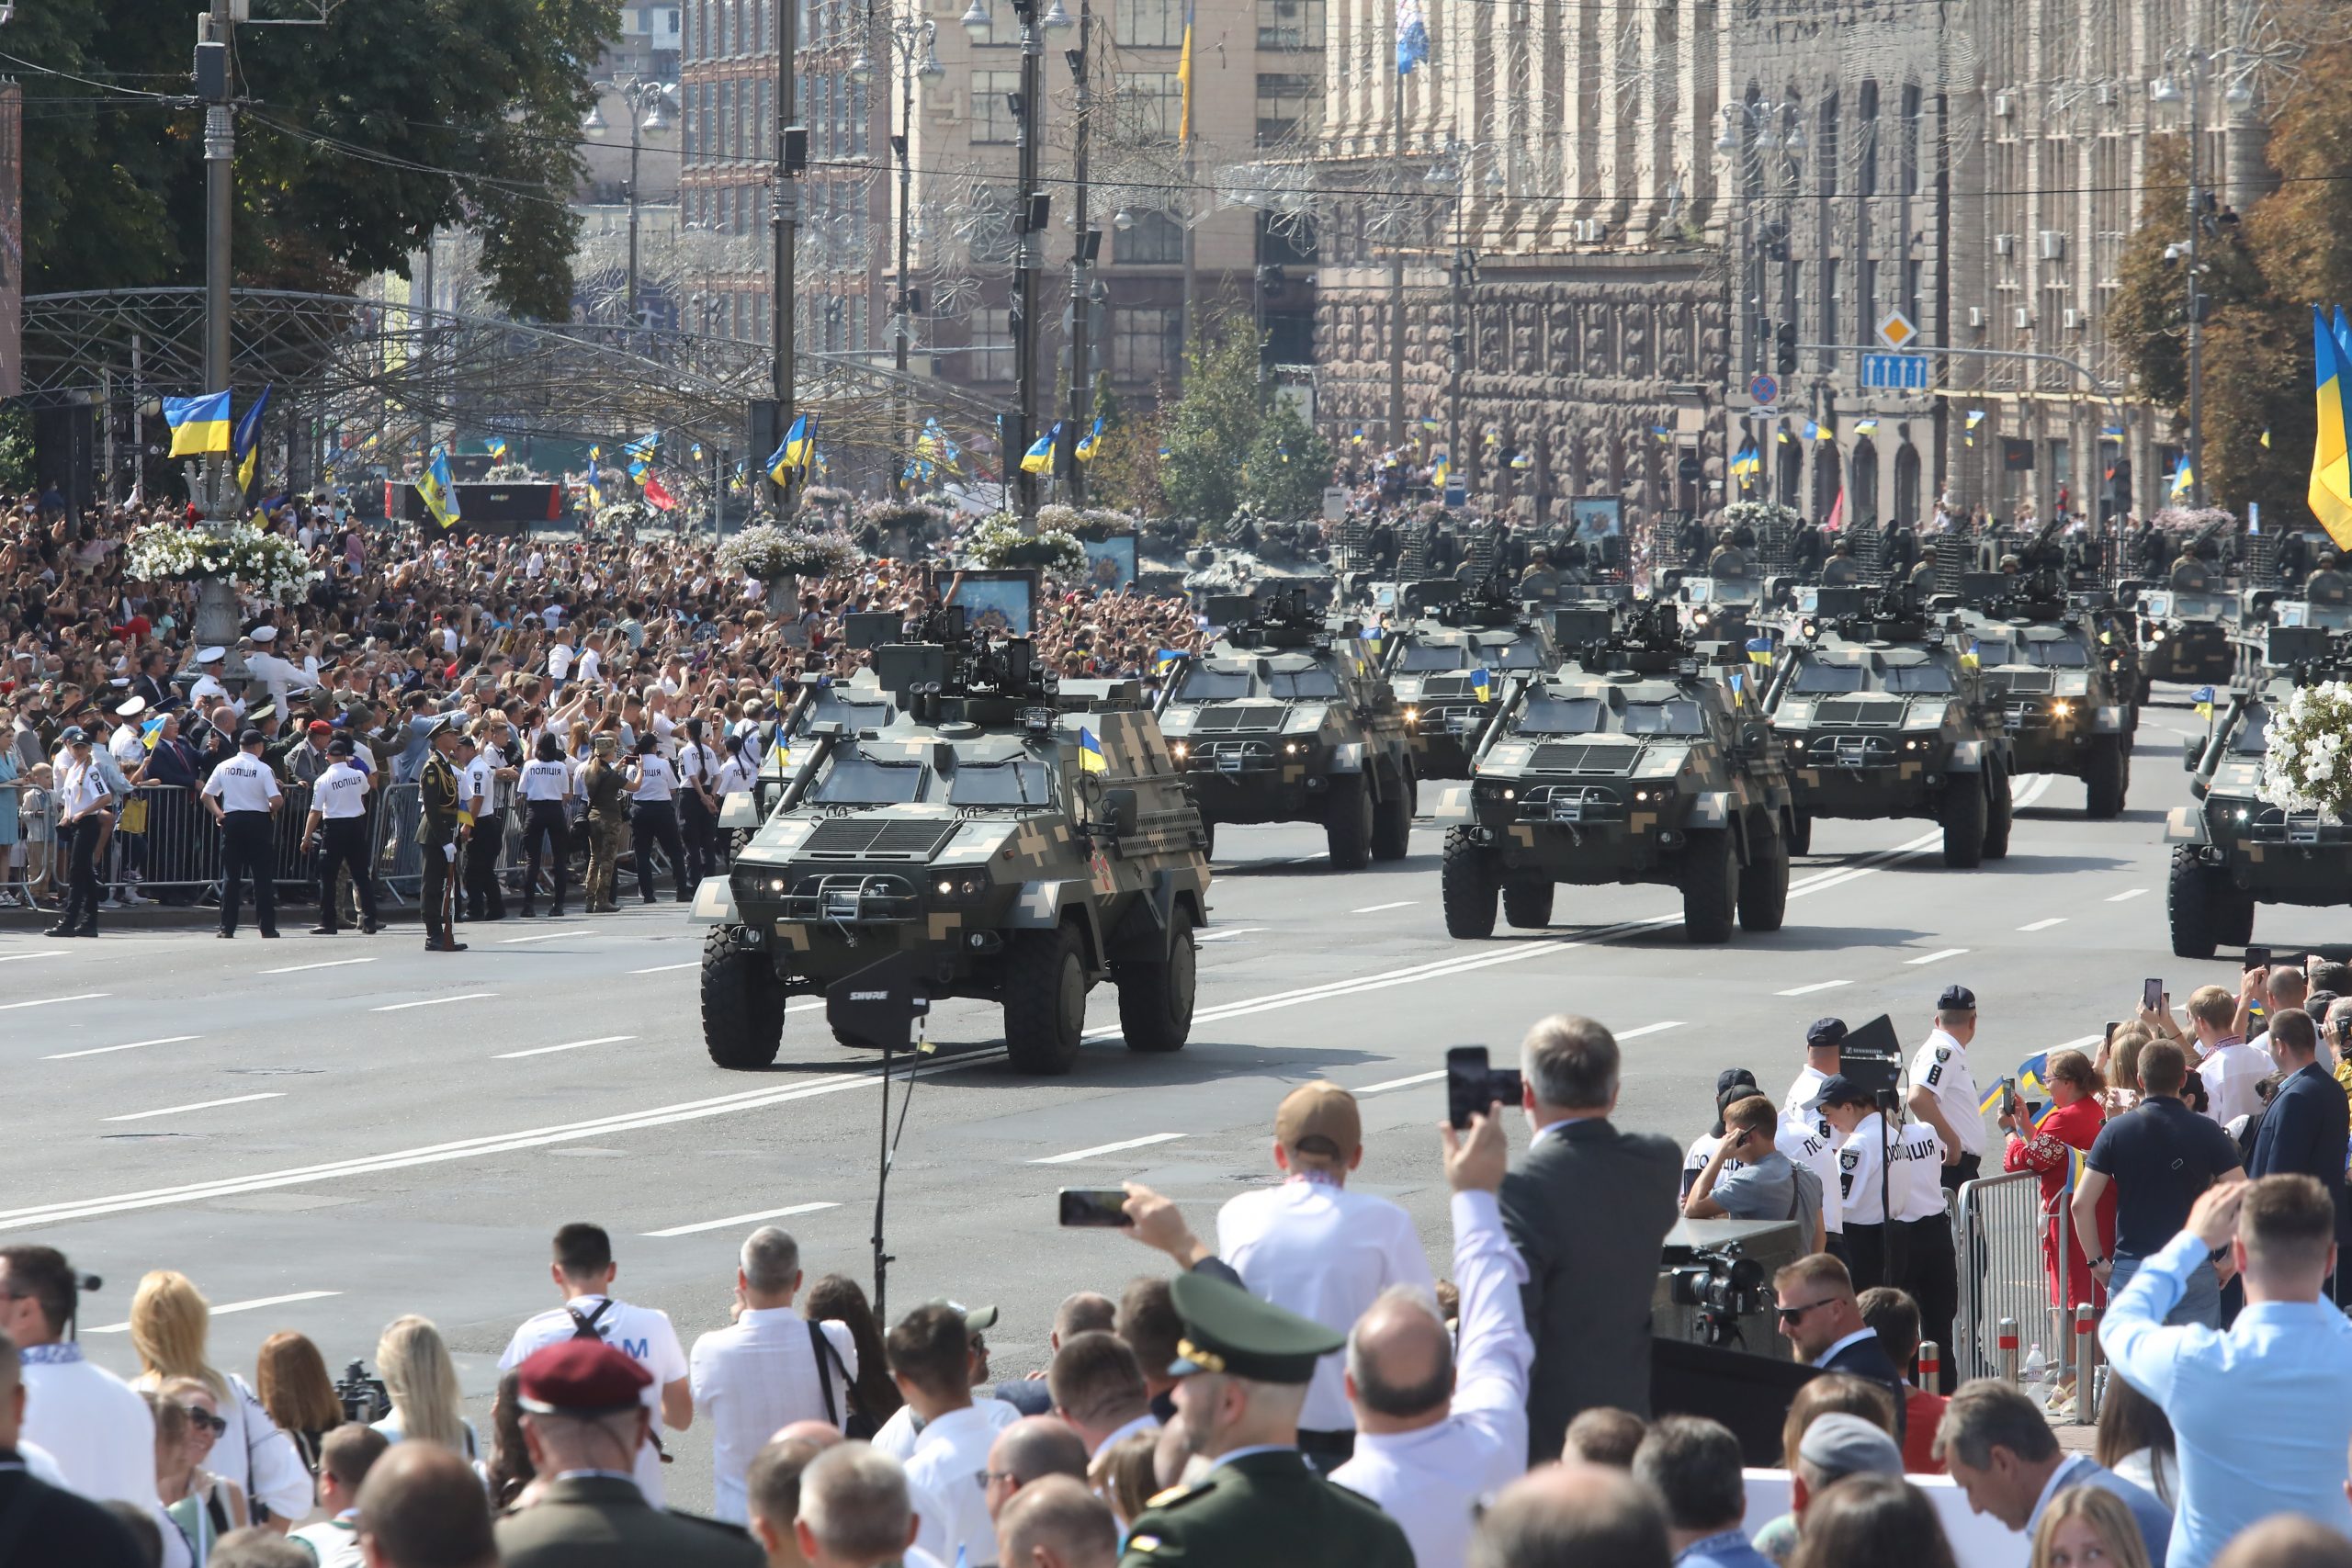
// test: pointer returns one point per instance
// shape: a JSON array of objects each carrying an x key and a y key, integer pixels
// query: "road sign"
[
  {"x": 1763, "y": 389},
  {"x": 1897, "y": 331},
  {"x": 1897, "y": 372}
]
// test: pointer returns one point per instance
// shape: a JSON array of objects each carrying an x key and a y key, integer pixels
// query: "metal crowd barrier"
[{"x": 2005, "y": 1286}]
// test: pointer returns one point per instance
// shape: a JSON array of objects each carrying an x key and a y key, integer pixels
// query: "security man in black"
[
  {"x": 440, "y": 826},
  {"x": 243, "y": 797}
]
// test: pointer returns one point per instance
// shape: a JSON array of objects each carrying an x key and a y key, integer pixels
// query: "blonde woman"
[
  {"x": 205, "y": 1506},
  {"x": 2088, "y": 1526},
  {"x": 413, "y": 1361},
  {"x": 169, "y": 1319}
]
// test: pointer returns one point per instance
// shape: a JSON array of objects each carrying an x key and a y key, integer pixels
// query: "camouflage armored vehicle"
[
  {"x": 2233, "y": 850},
  {"x": 1452, "y": 665},
  {"x": 1642, "y": 760},
  {"x": 2043, "y": 665},
  {"x": 1882, "y": 717},
  {"x": 2188, "y": 620},
  {"x": 1729, "y": 601},
  {"x": 1289, "y": 719},
  {"x": 1026, "y": 841}
]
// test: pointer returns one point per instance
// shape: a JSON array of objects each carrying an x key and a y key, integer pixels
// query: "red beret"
[{"x": 581, "y": 1377}]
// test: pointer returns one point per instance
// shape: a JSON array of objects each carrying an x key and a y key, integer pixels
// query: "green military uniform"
[
  {"x": 606, "y": 792},
  {"x": 1266, "y": 1508},
  {"x": 436, "y": 830},
  {"x": 1839, "y": 572}
]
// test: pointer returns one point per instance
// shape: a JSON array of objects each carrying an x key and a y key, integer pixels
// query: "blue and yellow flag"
[
  {"x": 1039, "y": 459},
  {"x": 1969, "y": 658},
  {"x": 1747, "y": 462},
  {"x": 1357, "y": 436},
  {"x": 496, "y": 448},
  {"x": 1091, "y": 443},
  {"x": 595, "y": 495},
  {"x": 151, "y": 730},
  {"x": 1786, "y": 439},
  {"x": 2202, "y": 697},
  {"x": 1662, "y": 433},
  {"x": 1482, "y": 683},
  {"x": 595, "y": 454},
  {"x": 1522, "y": 459},
  {"x": 1429, "y": 422},
  {"x": 1438, "y": 471},
  {"x": 1813, "y": 431},
  {"x": 440, "y": 489},
  {"x": 2330, "y": 495},
  {"x": 244, "y": 446},
  {"x": 799, "y": 444},
  {"x": 1185, "y": 79},
  {"x": 1089, "y": 753},
  {"x": 694, "y": 451},
  {"x": 1760, "y": 651},
  {"x": 2183, "y": 477},
  {"x": 1866, "y": 427},
  {"x": 1165, "y": 659},
  {"x": 198, "y": 425}
]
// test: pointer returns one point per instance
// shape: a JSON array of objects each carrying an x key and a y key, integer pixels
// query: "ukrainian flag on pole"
[
  {"x": 440, "y": 489},
  {"x": 1089, "y": 754},
  {"x": 2330, "y": 495},
  {"x": 1040, "y": 456},
  {"x": 198, "y": 425},
  {"x": 1185, "y": 79},
  {"x": 244, "y": 448}
]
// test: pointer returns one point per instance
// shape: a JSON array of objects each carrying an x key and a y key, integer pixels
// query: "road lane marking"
[
  {"x": 543, "y": 936},
  {"x": 231, "y": 1306},
  {"x": 1816, "y": 986},
  {"x": 1400, "y": 1083},
  {"x": 1109, "y": 1148},
  {"x": 436, "y": 1001},
  {"x": 2127, "y": 893},
  {"x": 20, "y": 957},
  {"x": 568, "y": 1046},
  {"x": 1938, "y": 956},
  {"x": 133, "y": 1045},
  {"x": 1376, "y": 909},
  {"x": 1308, "y": 860},
  {"x": 54, "y": 1001},
  {"x": 743, "y": 1219},
  {"x": 328, "y": 963},
  {"x": 1649, "y": 1029},
  {"x": 665, "y": 968},
  {"x": 199, "y": 1105},
  {"x": 2044, "y": 925},
  {"x": 1222, "y": 932}
]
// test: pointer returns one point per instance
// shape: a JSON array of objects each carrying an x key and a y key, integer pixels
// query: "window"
[
  {"x": 1286, "y": 104},
  {"x": 763, "y": 134},
  {"x": 991, "y": 107},
  {"x": 860, "y": 115},
  {"x": 821, "y": 117},
  {"x": 1828, "y": 143},
  {"x": 1157, "y": 240},
  {"x": 1913, "y": 273},
  {"x": 1151, "y": 105},
  {"x": 1866, "y": 307},
  {"x": 1867, "y": 176},
  {"x": 1290, "y": 24},
  {"x": 689, "y": 122},
  {"x": 1829, "y": 270},
  {"x": 991, "y": 354},
  {"x": 767, "y": 24},
  {"x": 1142, "y": 342},
  {"x": 727, "y": 210},
  {"x": 724, "y": 146},
  {"x": 1150, "y": 24},
  {"x": 1907, "y": 174}
]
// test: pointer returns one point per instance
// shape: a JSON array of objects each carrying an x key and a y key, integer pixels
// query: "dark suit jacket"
[
  {"x": 1867, "y": 1359},
  {"x": 1589, "y": 1209},
  {"x": 604, "y": 1521},
  {"x": 2304, "y": 1132},
  {"x": 41, "y": 1527}
]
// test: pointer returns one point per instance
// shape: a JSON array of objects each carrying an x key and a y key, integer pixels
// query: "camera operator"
[
  {"x": 1943, "y": 1090},
  {"x": 1766, "y": 1186}
]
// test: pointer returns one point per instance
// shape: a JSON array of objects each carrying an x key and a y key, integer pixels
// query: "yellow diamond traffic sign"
[{"x": 1896, "y": 331}]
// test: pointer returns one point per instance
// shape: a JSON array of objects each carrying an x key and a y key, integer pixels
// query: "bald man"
[
  {"x": 1030, "y": 1450},
  {"x": 422, "y": 1506},
  {"x": 1058, "y": 1523},
  {"x": 1572, "y": 1514}
]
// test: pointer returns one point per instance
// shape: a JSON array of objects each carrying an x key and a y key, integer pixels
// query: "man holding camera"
[{"x": 1943, "y": 1090}]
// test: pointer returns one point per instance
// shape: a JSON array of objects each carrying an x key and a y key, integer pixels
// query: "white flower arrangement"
[
  {"x": 1759, "y": 514},
  {"x": 2307, "y": 763},
  {"x": 997, "y": 541},
  {"x": 622, "y": 516},
  {"x": 770, "y": 552},
  {"x": 271, "y": 565}
]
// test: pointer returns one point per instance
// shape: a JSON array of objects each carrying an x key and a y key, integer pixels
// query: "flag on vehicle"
[{"x": 1089, "y": 753}]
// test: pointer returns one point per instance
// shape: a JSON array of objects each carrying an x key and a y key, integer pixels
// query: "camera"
[
  {"x": 1722, "y": 1283},
  {"x": 1873, "y": 1057},
  {"x": 365, "y": 1399},
  {"x": 1471, "y": 1086}
]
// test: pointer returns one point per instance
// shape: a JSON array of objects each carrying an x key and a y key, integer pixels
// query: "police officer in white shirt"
[
  {"x": 337, "y": 827},
  {"x": 1808, "y": 1148},
  {"x": 736, "y": 773},
  {"x": 546, "y": 790},
  {"x": 767, "y": 1369},
  {"x": 1943, "y": 1090},
  {"x": 478, "y": 792},
  {"x": 1863, "y": 1197},
  {"x": 243, "y": 797},
  {"x": 584, "y": 1271},
  {"x": 698, "y": 800},
  {"x": 93, "y": 1423},
  {"x": 1822, "y": 1040},
  {"x": 1320, "y": 1250},
  {"x": 653, "y": 815},
  {"x": 1926, "y": 1266},
  {"x": 82, "y": 818}
]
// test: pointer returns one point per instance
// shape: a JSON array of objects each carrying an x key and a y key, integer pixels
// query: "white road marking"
[
  {"x": 743, "y": 1219},
  {"x": 1376, "y": 909},
  {"x": 199, "y": 1105},
  {"x": 1222, "y": 932},
  {"x": 1816, "y": 986},
  {"x": 2126, "y": 894},
  {"x": 436, "y": 1001},
  {"x": 543, "y": 936},
  {"x": 2044, "y": 925},
  {"x": 20, "y": 957},
  {"x": 1109, "y": 1148},
  {"x": 665, "y": 968},
  {"x": 1938, "y": 956},
  {"x": 1649, "y": 1029},
  {"x": 231, "y": 1306},
  {"x": 329, "y": 963},
  {"x": 133, "y": 1045},
  {"x": 570, "y": 1045},
  {"x": 54, "y": 1001},
  {"x": 1309, "y": 859},
  {"x": 1400, "y": 1083}
]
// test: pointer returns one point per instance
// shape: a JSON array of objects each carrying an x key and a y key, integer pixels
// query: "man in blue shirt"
[
  {"x": 2160, "y": 1156},
  {"x": 1693, "y": 1465},
  {"x": 2261, "y": 1415},
  {"x": 2005, "y": 1458}
]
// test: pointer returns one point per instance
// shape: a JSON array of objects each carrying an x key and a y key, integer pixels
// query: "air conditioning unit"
[
  {"x": 2005, "y": 104},
  {"x": 1975, "y": 317},
  {"x": 2053, "y": 245},
  {"x": 2070, "y": 320},
  {"x": 2106, "y": 95},
  {"x": 2021, "y": 318},
  {"x": 2005, "y": 244},
  {"x": 1589, "y": 231}
]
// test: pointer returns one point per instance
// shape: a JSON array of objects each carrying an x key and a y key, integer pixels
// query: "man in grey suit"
[{"x": 1589, "y": 1208}]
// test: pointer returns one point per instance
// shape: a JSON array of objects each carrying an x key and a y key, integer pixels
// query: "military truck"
[
  {"x": 1288, "y": 719},
  {"x": 1451, "y": 662},
  {"x": 1643, "y": 759},
  {"x": 2043, "y": 665},
  {"x": 1024, "y": 839},
  {"x": 2233, "y": 850},
  {"x": 1882, "y": 718}
]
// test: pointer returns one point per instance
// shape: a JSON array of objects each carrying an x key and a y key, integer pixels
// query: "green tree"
[
  {"x": 1212, "y": 427},
  {"x": 1288, "y": 465}
]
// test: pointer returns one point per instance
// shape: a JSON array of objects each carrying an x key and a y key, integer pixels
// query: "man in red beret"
[{"x": 583, "y": 1420}]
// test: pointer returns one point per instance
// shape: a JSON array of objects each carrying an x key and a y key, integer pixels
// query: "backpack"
[{"x": 583, "y": 1325}]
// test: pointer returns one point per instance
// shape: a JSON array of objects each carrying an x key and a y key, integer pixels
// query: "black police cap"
[{"x": 1956, "y": 999}]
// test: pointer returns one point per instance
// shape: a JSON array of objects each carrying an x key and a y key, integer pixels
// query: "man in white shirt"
[
  {"x": 1438, "y": 1427},
  {"x": 931, "y": 1360},
  {"x": 584, "y": 1272},
  {"x": 93, "y": 1423},
  {"x": 763, "y": 1373},
  {"x": 1323, "y": 1252},
  {"x": 243, "y": 797},
  {"x": 1930, "y": 1267},
  {"x": 1821, "y": 1042},
  {"x": 560, "y": 657},
  {"x": 338, "y": 821},
  {"x": 1943, "y": 1090},
  {"x": 345, "y": 1455}
]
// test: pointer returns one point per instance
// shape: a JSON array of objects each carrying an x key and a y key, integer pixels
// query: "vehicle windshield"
[
  {"x": 1920, "y": 680},
  {"x": 2252, "y": 737},
  {"x": 1020, "y": 781},
  {"x": 2058, "y": 655},
  {"x": 1294, "y": 685},
  {"x": 855, "y": 779},
  {"x": 1205, "y": 685},
  {"x": 1814, "y": 680},
  {"x": 1678, "y": 717},
  {"x": 1559, "y": 715},
  {"x": 1423, "y": 658},
  {"x": 2192, "y": 606},
  {"x": 1522, "y": 655},
  {"x": 1723, "y": 591}
]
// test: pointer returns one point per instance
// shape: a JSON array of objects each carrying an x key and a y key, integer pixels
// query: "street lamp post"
[
  {"x": 647, "y": 100},
  {"x": 2165, "y": 90},
  {"x": 1081, "y": 258},
  {"x": 907, "y": 35},
  {"x": 1029, "y": 223}
]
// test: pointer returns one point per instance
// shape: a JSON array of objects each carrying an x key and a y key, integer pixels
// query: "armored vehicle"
[
  {"x": 1882, "y": 717},
  {"x": 1450, "y": 666},
  {"x": 1288, "y": 719},
  {"x": 1026, "y": 841},
  {"x": 1642, "y": 760},
  {"x": 2043, "y": 665},
  {"x": 1728, "y": 602},
  {"x": 2233, "y": 850}
]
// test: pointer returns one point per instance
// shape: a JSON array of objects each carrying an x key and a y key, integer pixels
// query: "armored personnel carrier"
[
  {"x": 1024, "y": 841},
  {"x": 2042, "y": 662},
  {"x": 1452, "y": 661},
  {"x": 1643, "y": 760}
]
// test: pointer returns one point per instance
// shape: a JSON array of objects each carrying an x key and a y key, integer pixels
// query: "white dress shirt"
[
  {"x": 1794, "y": 1105},
  {"x": 91, "y": 1423},
  {"x": 1147, "y": 1422},
  {"x": 244, "y": 782},
  {"x": 280, "y": 675},
  {"x": 755, "y": 1377},
  {"x": 340, "y": 794},
  {"x": 1917, "y": 1190},
  {"x": 547, "y": 780},
  {"x": 643, "y": 1334},
  {"x": 1859, "y": 1167},
  {"x": 1805, "y": 1146},
  {"x": 1324, "y": 1252},
  {"x": 900, "y": 1434},
  {"x": 656, "y": 780},
  {"x": 1941, "y": 1068},
  {"x": 950, "y": 1461},
  {"x": 1429, "y": 1481},
  {"x": 2230, "y": 1074}
]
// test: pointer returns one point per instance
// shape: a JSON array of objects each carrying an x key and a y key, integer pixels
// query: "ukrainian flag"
[
  {"x": 1092, "y": 443},
  {"x": 496, "y": 448},
  {"x": 1969, "y": 659},
  {"x": 1089, "y": 754},
  {"x": 245, "y": 447},
  {"x": 1482, "y": 683},
  {"x": 2203, "y": 697},
  {"x": 1662, "y": 434},
  {"x": 1748, "y": 462},
  {"x": 694, "y": 451},
  {"x": 1438, "y": 471},
  {"x": 1786, "y": 439},
  {"x": 799, "y": 444},
  {"x": 595, "y": 495},
  {"x": 1813, "y": 430},
  {"x": 2330, "y": 495},
  {"x": 1866, "y": 427},
  {"x": 1039, "y": 459},
  {"x": 2182, "y": 477},
  {"x": 1738, "y": 688},
  {"x": 440, "y": 489},
  {"x": 1185, "y": 79},
  {"x": 1165, "y": 659},
  {"x": 1523, "y": 460},
  {"x": 1760, "y": 651},
  {"x": 1357, "y": 436},
  {"x": 198, "y": 425},
  {"x": 1428, "y": 423},
  {"x": 595, "y": 454}
]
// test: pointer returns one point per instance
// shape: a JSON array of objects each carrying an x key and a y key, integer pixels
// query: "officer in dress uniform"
[
  {"x": 440, "y": 825},
  {"x": 338, "y": 827},
  {"x": 606, "y": 793},
  {"x": 1242, "y": 1382},
  {"x": 243, "y": 796}
]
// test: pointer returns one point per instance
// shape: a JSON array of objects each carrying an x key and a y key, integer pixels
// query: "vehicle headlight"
[
  {"x": 1699, "y": 617},
  {"x": 2156, "y": 636},
  {"x": 2239, "y": 815},
  {"x": 1292, "y": 748},
  {"x": 1796, "y": 742},
  {"x": 1509, "y": 793},
  {"x": 1180, "y": 749},
  {"x": 1412, "y": 715},
  {"x": 960, "y": 885},
  {"x": 1910, "y": 745},
  {"x": 2062, "y": 708}
]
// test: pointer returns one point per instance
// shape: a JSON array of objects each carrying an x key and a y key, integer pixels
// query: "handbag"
[{"x": 134, "y": 817}]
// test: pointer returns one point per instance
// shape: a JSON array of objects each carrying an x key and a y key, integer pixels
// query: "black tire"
[
  {"x": 1964, "y": 817},
  {"x": 2234, "y": 915},
  {"x": 742, "y": 1005},
  {"x": 1466, "y": 885},
  {"x": 1710, "y": 885},
  {"x": 1208, "y": 834},
  {"x": 1528, "y": 905},
  {"x": 2147, "y": 689},
  {"x": 1799, "y": 839},
  {"x": 2103, "y": 779},
  {"x": 1347, "y": 823},
  {"x": 1155, "y": 1000},
  {"x": 2000, "y": 808},
  {"x": 1392, "y": 823},
  {"x": 1764, "y": 885},
  {"x": 1045, "y": 1000},
  {"x": 2189, "y": 899}
]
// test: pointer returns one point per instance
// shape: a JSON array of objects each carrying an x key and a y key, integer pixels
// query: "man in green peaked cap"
[{"x": 1242, "y": 1374}]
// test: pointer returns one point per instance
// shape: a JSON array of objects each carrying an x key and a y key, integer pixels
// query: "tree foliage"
[
  {"x": 355, "y": 141},
  {"x": 1288, "y": 465},
  {"x": 1212, "y": 427}
]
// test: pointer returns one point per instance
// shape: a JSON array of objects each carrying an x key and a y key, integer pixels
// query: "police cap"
[
  {"x": 249, "y": 736},
  {"x": 340, "y": 745},
  {"x": 1229, "y": 1330},
  {"x": 1956, "y": 999},
  {"x": 1839, "y": 1089},
  {"x": 1824, "y": 1032}
]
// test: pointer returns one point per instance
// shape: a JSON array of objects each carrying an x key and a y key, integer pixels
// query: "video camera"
[
  {"x": 365, "y": 1399},
  {"x": 1722, "y": 1283}
]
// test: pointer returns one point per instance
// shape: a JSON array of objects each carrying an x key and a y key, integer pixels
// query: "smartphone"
[
  {"x": 1093, "y": 1207},
  {"x": 1471, "y": 1086},
  {"x": 2151, "y": 995},
  {"x": 2009, "y": 1096},
  {"x": 2257, "y": 958},
  {"x": 2112, "y": 1027}
]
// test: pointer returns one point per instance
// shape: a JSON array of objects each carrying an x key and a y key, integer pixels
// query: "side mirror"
[
  {"x": 1121, "y": 803},
  {"x": 2191, "y": 749}
]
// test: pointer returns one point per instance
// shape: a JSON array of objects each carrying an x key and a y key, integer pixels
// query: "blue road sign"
[
  {"x": 1763, "y": 390},
  {"x": 1896, "y": 372}
]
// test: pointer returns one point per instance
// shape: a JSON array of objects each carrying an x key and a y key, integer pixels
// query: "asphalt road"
[{"x": 326, "y": 1133}]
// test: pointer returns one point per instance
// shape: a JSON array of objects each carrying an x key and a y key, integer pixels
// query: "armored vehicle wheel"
[
  {"x": 2192, "y": 895},
  {"x": 1527, "y": 905},
  {"x": 1208, "y": 835},
  {"x": 1392, "y": 822},
  {"x": 1800, "y": 833},
  {"x": 2233, "y": 914},
  {"x": 2000, "y": 809},
  {"x": 743, "y": 1004},
  {"x": 1045, "y": 1000},
  {"x": 1764, "y": 886},
  {"x": 1155, "y": 1000},
  {"x": 2103, "y": 779},
  {"x": 1964, "y": 817},
  {"x": 1347, "y": 823},
  {"x": 1710, "y": 885},
  {"x": 1467, "y": 886}
]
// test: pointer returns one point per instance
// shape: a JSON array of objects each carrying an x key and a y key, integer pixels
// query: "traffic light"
[{"x": 1786, "y": 360}]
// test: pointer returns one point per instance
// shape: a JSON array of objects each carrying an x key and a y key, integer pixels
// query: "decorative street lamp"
[{"x": 647, "y": 103}]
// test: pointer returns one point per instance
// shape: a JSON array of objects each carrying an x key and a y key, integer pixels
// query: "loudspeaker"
[{"x": 64, "y": 454}]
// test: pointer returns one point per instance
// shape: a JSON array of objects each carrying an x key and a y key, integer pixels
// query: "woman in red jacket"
[{"x": 2049, "y": 1148}]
